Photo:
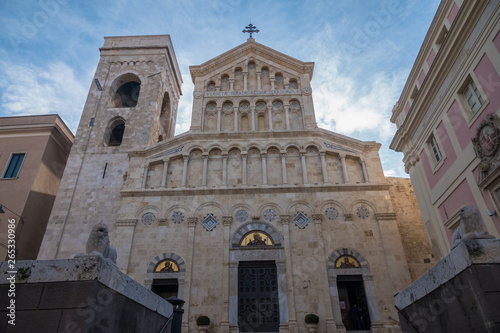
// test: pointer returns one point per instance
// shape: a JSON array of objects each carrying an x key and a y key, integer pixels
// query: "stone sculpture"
[
  {"x": 98, "y": 243},
  {"x": 471, "y": 226}
]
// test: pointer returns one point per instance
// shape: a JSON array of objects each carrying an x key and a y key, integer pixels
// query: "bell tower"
[{"x": 131, "y": 105}]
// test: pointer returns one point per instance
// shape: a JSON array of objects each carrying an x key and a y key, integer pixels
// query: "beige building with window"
[
  {"x": 447, "y": 119},
  {"x": 33, "y": 154},
  {"x": 255, "y": 216}
]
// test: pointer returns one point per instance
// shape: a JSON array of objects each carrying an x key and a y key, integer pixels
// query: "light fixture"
[{"x": 98, "y": 84}]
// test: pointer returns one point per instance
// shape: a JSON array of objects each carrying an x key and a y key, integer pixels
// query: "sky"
[{"x": 363, "y": 52}]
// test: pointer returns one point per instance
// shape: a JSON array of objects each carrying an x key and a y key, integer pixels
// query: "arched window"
[
  {"x": 211, "y": 86},
  {"x": 114, "y": 132},
  {"x": 125, "y": 91}
]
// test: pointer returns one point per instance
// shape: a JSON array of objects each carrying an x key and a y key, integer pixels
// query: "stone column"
[
  {"x": 165, "y": 172},
  {"x": 244, "y": 166},
  {"x": 123, "y": 239},
  {"x": 205, "y": 169},
  {"x": 363, "y": 168},
  {"x": 335, "y": 301},
  {"x": 323, "y": 273},
  {"x": 371, "y": 299},
  {"x": 253, "y": 117},
  {"x": 190, "y": 243},
  {"x": 323, "y": 167},
  {"x": 233, "y": 297},
  {"x": 245, "y": 81},
  {"x": 235, "y": 119},
  {"x": 231, "y": 84},
  {"x": 283, "y": 167},
  {"x": 304, "y": 167},
  {"x": 344, "y": 168},
  {"x": 287, "y": 116},
  {"x": 219, "y": 116},
  {"x": 224, "y": 170},
  {"x": 224, "y": 324},
  {"x": 282, "y": 291},
  {"x": 270, "y": 116},
  {"x": 258, "y": 80},
  {"x": 272, "y": 83},
  {"x": 145, "y": 176},
  {"x": 185, "y": 170},
  {"x": 292, "y": 320},
  {"x": 264, "y": 169}
]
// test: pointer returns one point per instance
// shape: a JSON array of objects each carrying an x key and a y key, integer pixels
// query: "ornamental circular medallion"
[
  {"x": 148, "y": 218},
  {"x": 177, "y": 217},
  {"x": 277, "y": 105},
  {"x": 269, "y": 215},
  {"x": 488, "y": 140},
  {"x": 198, "y": 94},
  {"x": 362, "y": 212},
  {"x": 294, "y": 105},
  {"x": 331, "y": 213},
  {"x": 228, "y": 107},
  {"x": 261, "y": 106},
  {"x": 241, "y": 215},
  {"x": 211, "y": 107},
  {"x": 306, "y": 90},
  {"x": 244, "y": 106}
]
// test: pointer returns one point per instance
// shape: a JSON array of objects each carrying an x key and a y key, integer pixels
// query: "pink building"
[{"x": 447, "y": 121}]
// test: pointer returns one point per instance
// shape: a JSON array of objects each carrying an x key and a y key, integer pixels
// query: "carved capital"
[
  {"x": 227, "y": 220},
  {"x": 348, "y": 217},
  {"x": 317, "y": 218},
  {"x": 192, "y": 221},
  {"x": 285, "y": 219}
]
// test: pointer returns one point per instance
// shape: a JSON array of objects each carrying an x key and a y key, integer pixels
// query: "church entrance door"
[
  {"x": 258, "y": 307},
  {"x": 353, "y": 305}
]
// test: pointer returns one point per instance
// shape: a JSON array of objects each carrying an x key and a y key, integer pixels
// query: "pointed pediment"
[{"x": 246, "y": 51}]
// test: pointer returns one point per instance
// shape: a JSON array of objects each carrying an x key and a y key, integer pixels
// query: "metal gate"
[{"x": 258, "y": 308}]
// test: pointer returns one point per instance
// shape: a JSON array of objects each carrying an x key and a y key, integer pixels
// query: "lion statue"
[
  {"x": 98, "y": 243},
  {"x": 471, "y": 226}
]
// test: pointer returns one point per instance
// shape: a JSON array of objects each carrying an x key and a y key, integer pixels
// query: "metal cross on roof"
[{"x": 250, "y": 29}]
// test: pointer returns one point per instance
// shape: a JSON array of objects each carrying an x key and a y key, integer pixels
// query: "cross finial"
[{"x": 250, "y": 29}]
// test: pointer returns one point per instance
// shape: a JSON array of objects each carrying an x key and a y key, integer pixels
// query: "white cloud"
[{"x": 31, "y": 90}]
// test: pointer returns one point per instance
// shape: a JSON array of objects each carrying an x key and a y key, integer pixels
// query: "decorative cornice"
[
  {"x": 126, "y": 223},
  {"x": 385, "y": 216}
]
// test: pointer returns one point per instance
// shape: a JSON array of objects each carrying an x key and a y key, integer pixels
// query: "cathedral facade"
[{"x": 255, "y": 217}]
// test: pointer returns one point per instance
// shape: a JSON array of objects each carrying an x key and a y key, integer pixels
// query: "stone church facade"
[{"x": 255, "y": 216}]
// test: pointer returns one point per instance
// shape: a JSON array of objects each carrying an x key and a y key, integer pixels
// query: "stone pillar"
[
  {"x": 371, "y": 300},
  {"x": 145, "y": 176},
  {"x": 287, "y": 116},
  {"x": 253, "y": 117},
  {"x": 245, "y": 81},
  {"x": 283, "y": 167},
  {"x": 233, "y": 296},
  {"x": 235, "y": 119},
  {"x": 123, "y": 242},
  {"x": 323, "y": 273},
  {"x": 304, "y": 167},
  {"x": 231, "y": 84},
  {"x": 165, "y": 172},
  {"x": 264, "y": 169},
  {"x": 258, "y": 80},
  {"x": 335, "y": 301},
  {"x": 190, "y": 243},
  {"x": 219, "y": 116},
  {"x": 185, "y": 170},
  {"x": 363, "y": 168},
  {"x": 344, "y": 168},
  {"x": 224, "y": 324},
  {"x": 292, "y": 320},
  {"x": 205, "y": 169},
  {"x": 282, "y": 291},
  {"x": 224, "y": 170},
  {"x": 270, "y": 116},
  {"x": 244, "y": 166},
  {"x": 323, "y": 167},
  {"x": 272, "y": 83}
]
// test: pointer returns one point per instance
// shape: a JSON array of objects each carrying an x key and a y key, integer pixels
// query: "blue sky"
[{"x": 363, "y": 52}]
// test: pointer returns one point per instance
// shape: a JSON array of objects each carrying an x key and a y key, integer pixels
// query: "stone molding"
[
  {"x": 126, "y": 223},
  {"x": 385, "y": 216}
]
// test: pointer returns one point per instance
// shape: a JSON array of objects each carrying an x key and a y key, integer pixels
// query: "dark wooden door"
[{"x": 258, "y": 308}]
